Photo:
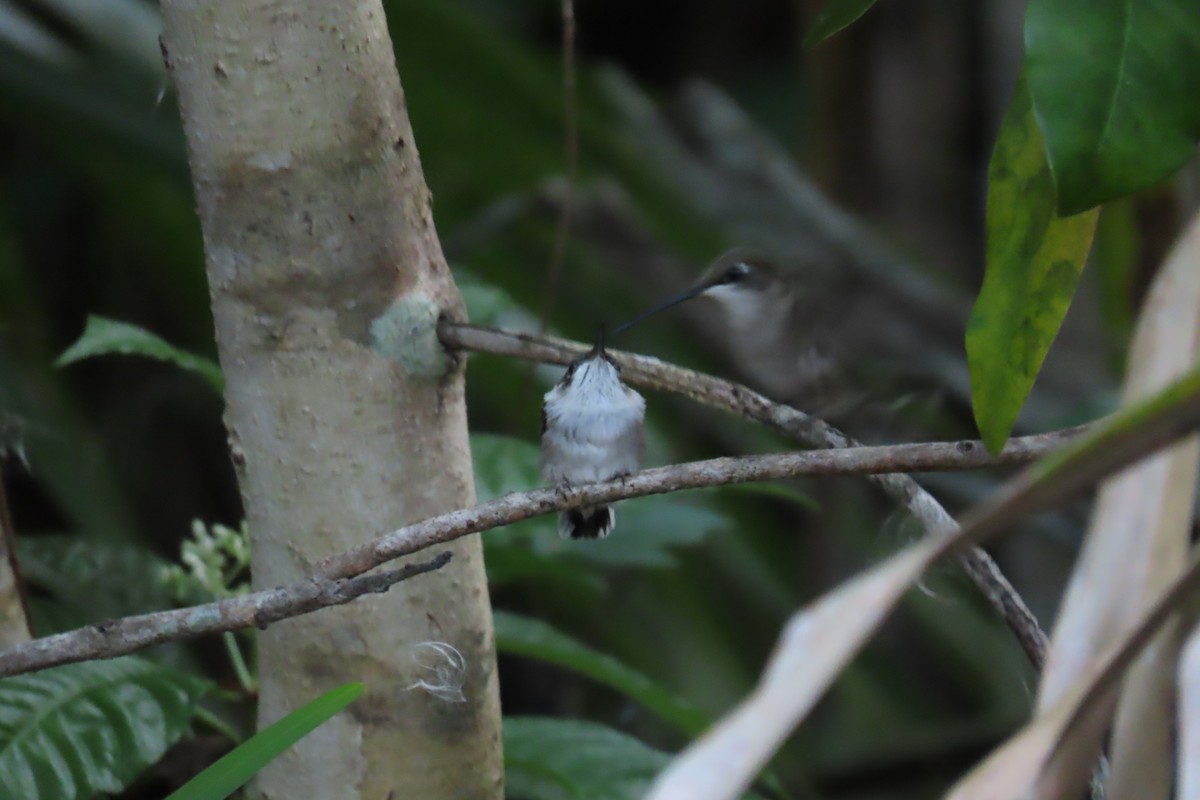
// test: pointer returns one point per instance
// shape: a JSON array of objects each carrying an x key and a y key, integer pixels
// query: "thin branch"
[
  {"x": 571, "y": 134},
  {"x": 334, "y": 581},
  {"x": 651, "y": 373},
  {"x": 562, "y": 230},
  {"x": 130, "y": 634}
]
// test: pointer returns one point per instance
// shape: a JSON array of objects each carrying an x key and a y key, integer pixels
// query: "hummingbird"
[
  {"x": 592, "y": 430},
  {"x": 767, "y": 316}
]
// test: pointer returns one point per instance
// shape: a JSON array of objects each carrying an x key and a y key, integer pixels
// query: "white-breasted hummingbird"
[{"x": 592, "y": 430}]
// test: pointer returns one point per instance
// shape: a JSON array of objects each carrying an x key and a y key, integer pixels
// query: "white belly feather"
[{"x": 593, "y": 429}]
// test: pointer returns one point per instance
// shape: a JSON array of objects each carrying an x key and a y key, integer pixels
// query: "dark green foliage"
[
  {"x": 835, "y": 15},
  {"x": 1115, "y": 259},
  {"x": 517, "y": 635},
  {"x": 1114, "y": 85},
  {"x": 558, "y": 759},
  {"x": 89, "y": 580},
  {"x": 679, "y": 608},
  {"x": 72, "y": 732}
]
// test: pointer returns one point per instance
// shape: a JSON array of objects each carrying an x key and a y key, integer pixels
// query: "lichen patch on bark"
[{"x": 406, "y": 332}]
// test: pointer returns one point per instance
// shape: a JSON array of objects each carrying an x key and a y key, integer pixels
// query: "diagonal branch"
[
  {"x": 651, "y": 373},
  {"x": 340, "y": 578},
  {"x": 120, "y": 637}
]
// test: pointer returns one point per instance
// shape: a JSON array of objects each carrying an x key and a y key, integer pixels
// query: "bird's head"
[
  {"x": 737, "y": 277},
  {"x": 595, "y": 367}
]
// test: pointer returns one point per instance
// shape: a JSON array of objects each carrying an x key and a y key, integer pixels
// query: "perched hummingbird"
[
  {"x": 591, "y": 431},
  {"x": 771, "y": 325}
]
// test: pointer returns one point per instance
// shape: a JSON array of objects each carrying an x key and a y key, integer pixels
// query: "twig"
[
  {"x": 562, "y": 230},
  {"x": 130, "y": 634},
  {"x": 334, "y": 581},
  {"x": 571, "y": 133},
  {"x": 651, "y": 373}
]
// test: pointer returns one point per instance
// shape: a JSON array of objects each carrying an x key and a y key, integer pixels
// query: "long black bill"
[{"x": 674, "y": 301}]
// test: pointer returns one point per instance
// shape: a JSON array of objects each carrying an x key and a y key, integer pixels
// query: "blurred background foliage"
[{"x": 702, "y": 125}]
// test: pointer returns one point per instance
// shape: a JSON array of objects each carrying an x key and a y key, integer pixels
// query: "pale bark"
[{"x": 345, "y": 416}]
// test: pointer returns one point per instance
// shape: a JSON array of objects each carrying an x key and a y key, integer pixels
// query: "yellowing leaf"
[{"x": 1033, "y": 264}]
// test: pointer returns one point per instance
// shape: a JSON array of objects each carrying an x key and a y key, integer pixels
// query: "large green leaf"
[
  {"x": 556, "y": 759},
  {"x": 517, "y": 635},
  {"x": 1115, "y": 86},
  {"x": 104, "y": 336},
  {"x": 835, "y": 15},
  {"x": 242, "y": 763},
  {"x": 1033, "y": 263},
  {"x": 78, "y": 730}
]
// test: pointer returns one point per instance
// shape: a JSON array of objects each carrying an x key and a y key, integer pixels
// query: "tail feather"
[{"x": 587, "y": 522}]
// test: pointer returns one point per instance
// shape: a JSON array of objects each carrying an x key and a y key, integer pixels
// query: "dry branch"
[
  {"x": 651, "y": 373},
  {"x": 120, "y": 637},
  {"x": 336, "y": 580}
]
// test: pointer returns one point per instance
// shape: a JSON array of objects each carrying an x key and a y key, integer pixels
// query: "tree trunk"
[{"x": 345, "y": 416}]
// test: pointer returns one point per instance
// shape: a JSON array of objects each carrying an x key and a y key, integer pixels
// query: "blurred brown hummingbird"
[
  {"x": 770, "y": 322},
  {"x": 592, "y": 430}
]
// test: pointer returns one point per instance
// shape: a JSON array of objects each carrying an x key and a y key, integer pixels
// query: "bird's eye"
[
  {"x": 735, "y": 273},
  {"x": 570, "y": 374}
]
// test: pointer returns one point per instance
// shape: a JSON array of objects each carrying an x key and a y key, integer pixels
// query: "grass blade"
[{"x": 244, "y": 761}]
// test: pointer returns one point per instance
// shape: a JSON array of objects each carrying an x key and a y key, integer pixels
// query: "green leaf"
[
  {"x": 522, "y": 636},
  {"x": 1115, "y": 86},
  {"x": 82, "y": 580},
  {"x": 104, "y": 336},
  {"x": 1033, "y": 264},
  {"x": 835, "y": 15},
  {"x": 94, "y": 579},
  {"x": 560, "y": 759},
  {"x": 81, "y": 729},
  {"x": 556, "y": 759},
  {"x": 242, "y": 763}
]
